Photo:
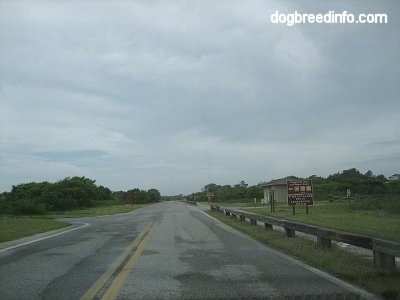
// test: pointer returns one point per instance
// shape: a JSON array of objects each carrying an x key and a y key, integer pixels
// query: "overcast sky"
[{"x": 174, "y": 95}]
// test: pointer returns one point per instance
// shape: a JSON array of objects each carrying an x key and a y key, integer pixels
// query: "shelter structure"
[{"x": 277, "y": 189}]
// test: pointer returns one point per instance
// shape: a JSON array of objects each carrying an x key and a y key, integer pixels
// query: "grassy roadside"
[
  {"x": 15, "y": 227},
  {"x": 96, "y": 211},
  {"x": 336, "y": 261},
  {"x": 342, "y": 217},
  {"x": 12, "y": 227}
]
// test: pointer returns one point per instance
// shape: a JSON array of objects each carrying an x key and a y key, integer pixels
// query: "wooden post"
[
  {"x": 386, "y": 261},
  {"x": 324, "y": 242},
  {"x": 385, "y": 254},
  {"x": 271, "y": 194},
  {"x": 272, "y": 200},
  {"x": 268, "y": 226},
  {"x": 290, "y": 232}
]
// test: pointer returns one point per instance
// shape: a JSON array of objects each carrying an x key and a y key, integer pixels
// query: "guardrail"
[{"x": 384, "y": 251}]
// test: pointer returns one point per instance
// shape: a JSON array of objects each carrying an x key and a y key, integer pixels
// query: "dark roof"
[{"x": 282, "y": 181}]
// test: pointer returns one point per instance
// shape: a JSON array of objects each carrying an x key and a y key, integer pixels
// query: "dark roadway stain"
[
  {"x": 179, "y": 240},
  {"x": 150, "y": 252}
]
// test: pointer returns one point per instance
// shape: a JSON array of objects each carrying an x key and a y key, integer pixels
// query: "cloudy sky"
[{"x": 174, "y": 95}]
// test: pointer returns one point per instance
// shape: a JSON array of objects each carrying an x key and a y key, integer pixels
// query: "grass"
[
  {"x": 342, "y": 264},
  {"x": 15, "y": 227},
  {"x": 341, "y": 216},
  {"x": 12, "y": 227},
  {"x": 96, "y": 211}
]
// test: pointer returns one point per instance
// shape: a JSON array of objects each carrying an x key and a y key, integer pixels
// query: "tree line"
[
  {"x": 366, "y": 184},
  {"x": 67, "y": 194},
  {"x": 226, "y": 193},
  {"x": 82, "y": 192},
  {"x": 137, "y": 196},
  {"x": 334, "y": 185}
]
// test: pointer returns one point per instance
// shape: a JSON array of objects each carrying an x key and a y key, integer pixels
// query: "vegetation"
[
  {"x": 68, "y": 194},
  {"x": 226, "y": 193},
  {"x": 368, "y": 191},
  {"x": 96, "y": 211},
  {"x": 345, "y": 265},
  {"x": 13, "y": 227},
  {"x": 174, "y": 198},
  {"x": 336, "y": 185},
  {"x": 137, "y": 196},
  {"x": 341, "y": 216}
]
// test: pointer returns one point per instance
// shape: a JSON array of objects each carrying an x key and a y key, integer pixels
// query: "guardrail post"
[
  {"x": 386, "y": 261},
  {"x": 253, "y": 222},
  {"x": 268, "y": 226},
  {"x": 290, "y": 232},
  {"x": 385, "y": 254},
  {"x": 324, "y": 242},
  {"x": 242, "y": 218}
]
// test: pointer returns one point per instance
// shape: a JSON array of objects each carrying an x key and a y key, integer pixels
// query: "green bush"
[
  {"x": 38, "y": 198},
  {"x": 387, "y": 203},
  {"x": 27, "y": 207}
]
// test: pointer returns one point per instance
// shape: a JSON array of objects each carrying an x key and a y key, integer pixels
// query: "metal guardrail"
[{"x": 384, "y": 251}]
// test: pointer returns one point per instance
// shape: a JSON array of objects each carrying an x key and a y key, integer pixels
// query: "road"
[{"x": 168, "y": 250}]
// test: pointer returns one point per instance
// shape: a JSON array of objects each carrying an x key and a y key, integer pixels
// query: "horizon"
[{"x": 200, "y": 189}]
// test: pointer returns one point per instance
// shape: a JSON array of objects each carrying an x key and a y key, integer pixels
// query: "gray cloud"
[{"x": 177, "y": 94}]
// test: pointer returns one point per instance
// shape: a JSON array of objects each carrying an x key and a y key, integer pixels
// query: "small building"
[{"x": 277, "y": 189}]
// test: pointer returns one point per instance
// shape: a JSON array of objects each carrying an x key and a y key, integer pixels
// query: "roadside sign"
[
  {"x": 300, "y": 192},
  {"x": 210, "y": 195}
]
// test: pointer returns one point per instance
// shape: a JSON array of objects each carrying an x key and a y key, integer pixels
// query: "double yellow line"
[{"x": 120, "y": 269}]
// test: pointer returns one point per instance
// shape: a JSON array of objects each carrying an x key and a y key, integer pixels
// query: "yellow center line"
[
  {"x": 136, "y": 244},
  {"x": 119, "y": 281}
]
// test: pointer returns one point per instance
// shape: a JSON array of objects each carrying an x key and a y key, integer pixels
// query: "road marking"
[
  {"x": 43, "y": 238},
  {"x": 133, "y": 250},
  {"x": 119, "y": 281}
]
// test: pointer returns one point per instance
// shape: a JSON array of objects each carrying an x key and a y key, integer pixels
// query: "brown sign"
[
  {"x": 210, "y": 195},
  {"x": 300, "y": 192}
]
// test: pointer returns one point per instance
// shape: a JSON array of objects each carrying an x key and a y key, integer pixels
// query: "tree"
[
  {"x": 393, "y": 184},
  {"x": 369, "y": 174},
  {"x": 153, "y": 195},
  {"x": 211, "y": 187},
  {"x": 68, "y": 193},
  {"x": 103, "y": 193},
  {"x": 255, "y": 191}
]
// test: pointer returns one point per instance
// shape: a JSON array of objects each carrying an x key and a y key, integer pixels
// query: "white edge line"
[
  {"x": 43, "y": 238},
  {"x": 365, "y": 294},
  {"x": 62, "y": 232}
]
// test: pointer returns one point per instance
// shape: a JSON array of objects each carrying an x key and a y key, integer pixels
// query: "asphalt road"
[{"x": 168, "y": 250}]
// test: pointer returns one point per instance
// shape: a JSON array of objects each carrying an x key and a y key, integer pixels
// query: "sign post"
[
  {"x": 272, "y": 199},
  {"x": 300, "y": 192},
  {"x": 348, "y": 194}
]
